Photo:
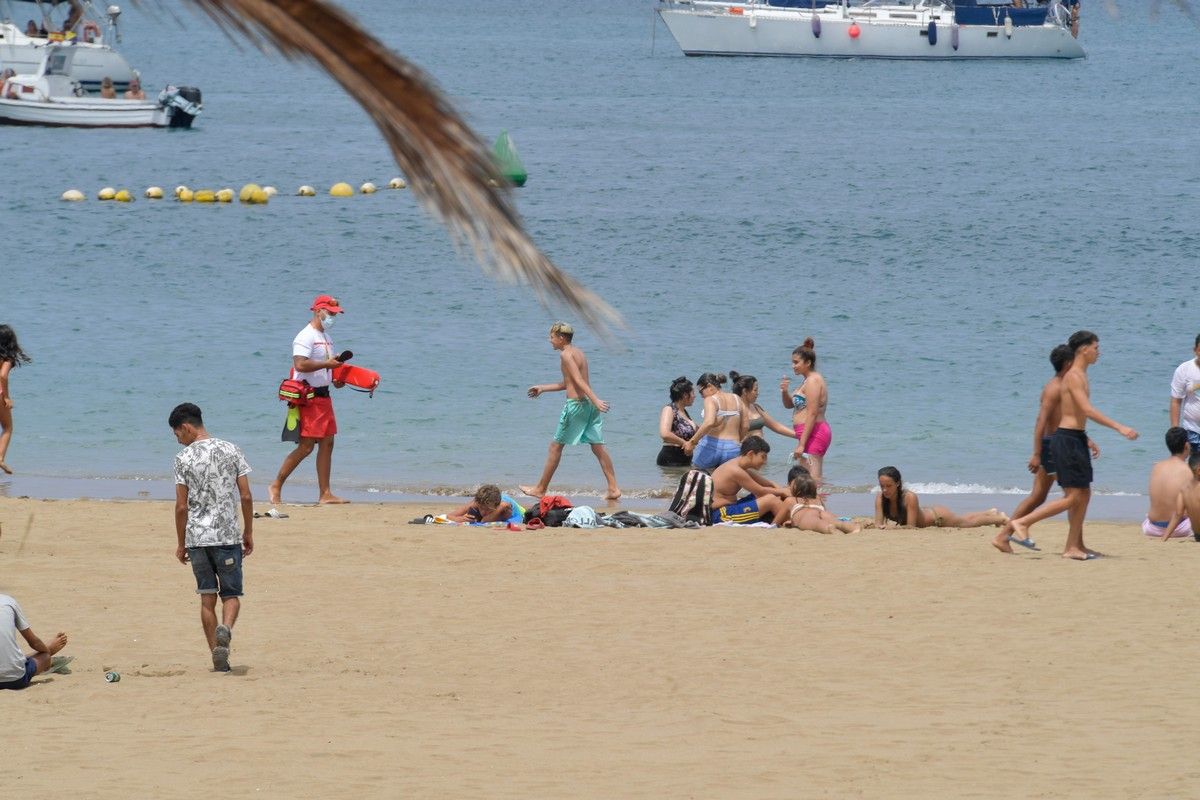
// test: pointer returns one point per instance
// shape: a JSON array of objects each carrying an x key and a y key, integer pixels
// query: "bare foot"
[
  {"x": 532, "y": 491},
  {"x": 613, "y": 495},
  {"x": 1077, "y": 555},
  {"x": 6, "y": 467},
  {"x": 999, "y": 518},
  {"x": 57, "y": 643},
  {"x": 1005, "y": 529},
  {"x": 273, "y": 493},
  {"x": 331, "y": 500},
  {"x": 1001, "y": 542},
  {"x": 1019, "y": 529}
]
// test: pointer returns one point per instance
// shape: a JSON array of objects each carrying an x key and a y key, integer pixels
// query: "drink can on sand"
[{"x": 112, "y": 676}]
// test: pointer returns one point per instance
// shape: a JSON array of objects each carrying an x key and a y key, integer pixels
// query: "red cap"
[{"x": 325, "y": 302}]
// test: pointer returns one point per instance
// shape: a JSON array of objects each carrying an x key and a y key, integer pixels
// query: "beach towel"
[{"x": 582, "y": 517}]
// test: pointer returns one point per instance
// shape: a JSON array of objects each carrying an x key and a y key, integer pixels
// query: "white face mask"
[{"x": 327, "y": 320}]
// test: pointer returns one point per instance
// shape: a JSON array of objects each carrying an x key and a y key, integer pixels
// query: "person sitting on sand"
[
  {"x": 134, "y": 92},
  {"x": 746, "y": 388},
  {"x": 725, "y": 425},
  {"x": 1188, "y": 502},
  {"x": 490, "y": 505},
  {"x": 808, "y": 513},
  {"x": 762, "y": 499},
  {"x": 1168, "y": 478},
  {"x": 675, "y": 424},
  {"x": 897, "y": 507},
  {"x": 16, "y": 668}
]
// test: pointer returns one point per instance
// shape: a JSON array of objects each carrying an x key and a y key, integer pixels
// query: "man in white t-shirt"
[
  {"x": 1185, "y": 400},
  {"x": 210, "y": 480},
  {"x": 16, "y": 668},
  {"x": 313, "y": 361}
]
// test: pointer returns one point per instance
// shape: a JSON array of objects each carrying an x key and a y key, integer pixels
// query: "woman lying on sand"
[
  {"x": 896, "y": 507},
  {"x": 809, "y": 514}
]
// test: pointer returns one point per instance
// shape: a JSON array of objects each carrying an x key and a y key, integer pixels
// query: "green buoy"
[{"x": 507, "y": 161}]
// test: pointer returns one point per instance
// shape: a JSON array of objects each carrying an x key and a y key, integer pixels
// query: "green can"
[{"x": 112, "y": 676}]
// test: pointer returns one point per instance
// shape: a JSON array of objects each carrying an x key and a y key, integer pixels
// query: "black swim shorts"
[
  {"x": 1069, "y": 449},
  {"x": 1047, "y": 457}
]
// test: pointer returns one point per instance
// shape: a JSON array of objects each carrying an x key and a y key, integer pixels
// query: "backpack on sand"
[{"x": 693, "y": 498}]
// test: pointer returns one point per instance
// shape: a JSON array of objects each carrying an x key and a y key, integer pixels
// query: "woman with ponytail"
[{"x": 808, "y": 401}]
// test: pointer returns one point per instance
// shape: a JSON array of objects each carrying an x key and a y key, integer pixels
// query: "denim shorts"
[
  {"x": 21, "y": 683},
  {"x": 218, "y": 570}
]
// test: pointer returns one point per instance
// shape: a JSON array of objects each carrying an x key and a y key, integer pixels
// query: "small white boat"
[
  {"x": 51, "y": 97},
  {"x": 919, "y": 29},
  {"x": 81, "y": 28}
]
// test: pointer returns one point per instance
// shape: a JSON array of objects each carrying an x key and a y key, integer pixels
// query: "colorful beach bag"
[
  {"x": 693, "y": 498},
  {"x": 296, "y": 393}
]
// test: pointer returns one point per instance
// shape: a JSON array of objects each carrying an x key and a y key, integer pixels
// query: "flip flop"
[
  {"x": 1029, "y": 543},
  {"x": 59, "y": 664},
  {"x": 514, "y": 527},
  {"x": 535, "y": 524}
]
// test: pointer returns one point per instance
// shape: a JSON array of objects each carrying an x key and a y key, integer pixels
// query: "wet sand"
[{"x": 375, "y": 658}]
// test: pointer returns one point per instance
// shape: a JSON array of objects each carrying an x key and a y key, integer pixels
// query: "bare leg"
[
  {"x": 847, "y": 527},
  {"x": 1021, "y": 526},
  {"x": 324, "y": 468},
  {"x": 5, "y": 435},
  {"x": 43, "y": 660},
  {"x": 208, "y": 618},
  {"x": 1079, "y": 497},
  {"x": 230, "y": 607},
  {"x": 976, "y": 519},
  {"x": 1037, "y": 495},
  {"x": 770, "y": 507},
  {"x": 290, "y": 462},
  {"x": 610, "y": 475},
  {"x": 816, "y": 467},
  {"x": 553, "y": 456}
]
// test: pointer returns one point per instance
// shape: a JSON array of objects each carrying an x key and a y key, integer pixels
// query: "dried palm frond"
[{"x": 446, "y": 164}]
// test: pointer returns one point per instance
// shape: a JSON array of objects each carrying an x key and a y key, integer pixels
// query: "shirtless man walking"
[
  {"x": 1167, "y": 479},
  {"x": 761, "y": 499},
  {"x": 1068, "y": 448},
  {"x": 580, "y": 422},
  {"x": 1041, "y": 464}
]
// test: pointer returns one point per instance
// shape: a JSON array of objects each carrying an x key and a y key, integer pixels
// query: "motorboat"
[
  {"x": 82, "y": 28},
  {"x": 918, "y": 29},
  {"x": 51, "y": 97}
]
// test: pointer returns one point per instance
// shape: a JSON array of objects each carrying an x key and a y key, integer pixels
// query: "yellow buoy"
[
  {"x": 154, "y": 193},
  {"x": 107, "y": 193},
  {"x": 271, "y": 191},
  {"x": 73, "y": 195},
  {"x": 181, "y": 189},
  {"x": 184, "y": 195},
  {"x": 397, "y": 183},
  {"x": 341, "y": 190},
  {"x": 123, "y": 196},
  {"x": 306, "y": 191},
  {"x": 225, "y": 195},
  {"x": 205, "y": 196},
  {"x": 367, "y": 188},
  {"x": 259, "y": 197},
  {"x": 247, "y": 192}
]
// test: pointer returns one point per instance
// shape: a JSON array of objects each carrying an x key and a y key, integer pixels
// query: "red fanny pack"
[{"x": 296, "y": 392}]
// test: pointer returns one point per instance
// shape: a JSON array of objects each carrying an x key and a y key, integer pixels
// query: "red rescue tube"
[{"x": 361, "y": 378}]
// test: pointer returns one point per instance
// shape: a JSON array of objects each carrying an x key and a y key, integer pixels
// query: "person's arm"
[
  {"x": 665, "y": 420},
  {"x": 1176, "y": 516},
  {"x": 573, "y": 375},
  {"x": 770, "y": 486},
  {"x": 785, "y": 391},
  {"x": 5, "y": 368},
  {"x": 1176, "y": 402},
  {"x": 31, "y": 638},
  {"x": 743, "y": 419},
  {"x": 181, "y": 511},
  {"x": 880, "y": 522},
  {"x": 499, "y": 513},
  {"x": 912, "y": 511},
  {"x": 710, "y": 422},
  {"x": 1075, "y": 387},
  {"x": 247, "y": 499},
  {"x": 1039, "y": 427},
  {"x": 775, "y": 425},
  {"x": 303, "y": 364}
]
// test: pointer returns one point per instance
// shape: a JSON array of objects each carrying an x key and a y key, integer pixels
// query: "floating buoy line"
[{"x": 250, "y": 194}]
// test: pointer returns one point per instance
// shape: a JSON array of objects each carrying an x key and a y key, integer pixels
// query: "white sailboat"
[{"x": 22, "y": 44}]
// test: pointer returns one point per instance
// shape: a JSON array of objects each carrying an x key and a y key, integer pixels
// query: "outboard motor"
[{"x": 182, "y": 104}]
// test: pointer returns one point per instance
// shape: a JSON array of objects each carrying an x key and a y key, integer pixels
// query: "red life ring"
[{"x": 91, "y": 32}]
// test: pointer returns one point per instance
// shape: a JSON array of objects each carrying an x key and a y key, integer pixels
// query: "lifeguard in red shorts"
[{"x": 313, "y": 361}]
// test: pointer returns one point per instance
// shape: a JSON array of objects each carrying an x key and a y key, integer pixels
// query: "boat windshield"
[{"x": 56, "y": 64}]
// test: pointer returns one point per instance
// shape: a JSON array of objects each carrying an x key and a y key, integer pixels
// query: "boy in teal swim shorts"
[{"x": 580, "y": 422}]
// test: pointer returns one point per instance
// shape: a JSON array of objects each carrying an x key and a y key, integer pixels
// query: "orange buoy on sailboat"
[{"x": 854, "y": 31}]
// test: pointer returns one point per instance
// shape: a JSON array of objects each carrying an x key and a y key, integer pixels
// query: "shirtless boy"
[
  {"x": 1188, "y": 502},
  {"x": 1168, "y": 478},
  {"x": 762, "y": 499},
  {"x": 1068, "y": 448},
  {"x": 580, "y": 422},
  {"x": 1041, "y": 464}
]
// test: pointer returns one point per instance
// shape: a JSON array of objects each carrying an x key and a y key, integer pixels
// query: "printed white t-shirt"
[
  {"x": 314, "y": 344},
  {"x": 209, "y": 468},
  {"x": 1185, "y": 386},
  {"x": 12, "y": 657}
]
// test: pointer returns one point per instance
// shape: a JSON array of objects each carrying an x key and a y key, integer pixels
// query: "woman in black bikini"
[
  {"x": 896, "y": 507},
  {"x": 746, "y": 387},
  {"x": 675, "y": 425}
]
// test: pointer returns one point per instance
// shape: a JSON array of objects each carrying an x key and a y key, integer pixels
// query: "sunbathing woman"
[
  {"x": 809, "y": 514},
  {"x": 808, "y": 401},
  {"x": 675, "y": 425},
  {"x": 746, "y": 387},
  {"x": 896, "y": 507},
  {"x": 11, "y": 355},
  {"x": 719, "y": 437}
]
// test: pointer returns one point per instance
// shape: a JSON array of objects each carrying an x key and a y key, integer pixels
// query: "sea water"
[{"x": 936, "y": 227}]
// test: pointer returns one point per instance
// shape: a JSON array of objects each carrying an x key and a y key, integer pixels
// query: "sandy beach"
[{"x": 375, "y": 658}]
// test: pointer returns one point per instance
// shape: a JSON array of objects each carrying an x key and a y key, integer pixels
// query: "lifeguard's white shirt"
[
  {"x": 314, "y": 344},
  {"x": 12, "y": 658},
  {"x": 1184, "y": 386}
]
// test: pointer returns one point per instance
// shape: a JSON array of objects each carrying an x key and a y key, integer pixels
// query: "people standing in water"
[
  {"x": 720, "y": 435},
  {"x": 1185, "y": 397},
  {"x": 11, "y": 355},
  {"x": 313, "y": 361},
  {"x": 808, "y": 402},
  {"x": 897, "y": 507},
  {"x": 1069, "y": 449},
  {"x": 1041, "y": 464},
  {"x": 746, "y": 388},
  {"x": 675, "y": 424},
  {"x": 1168, "y": 478},
  {"x": 580, "y": 421}
]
